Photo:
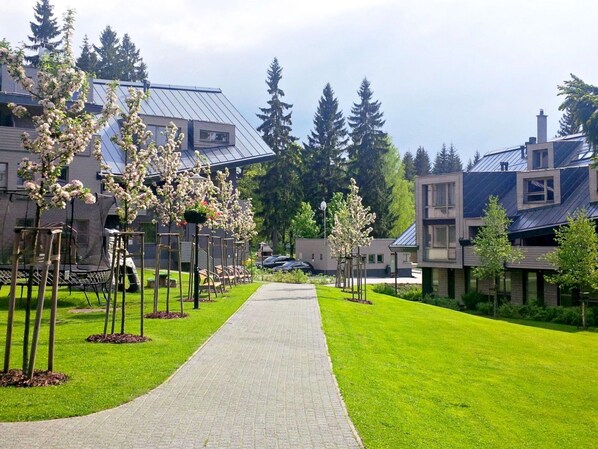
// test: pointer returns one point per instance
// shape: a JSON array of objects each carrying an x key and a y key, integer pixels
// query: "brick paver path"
[{"x": 264, "y": 380}]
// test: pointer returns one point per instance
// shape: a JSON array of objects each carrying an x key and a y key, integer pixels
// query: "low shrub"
[
  {"x": 385, "y": 289},
  {"x": 291, "y": 277},
  {"x": 447, "y": 303},
  {"x": 411, "y": 292},
  {"x": 472, "y": 299},
  {"x": 485, "y": 308}
]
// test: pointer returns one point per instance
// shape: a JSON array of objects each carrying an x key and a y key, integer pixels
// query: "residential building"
[
  {"x": 380, "y": 261},
  {"x": 539, "y": 184},
  {"x": 208, "y": 120}
]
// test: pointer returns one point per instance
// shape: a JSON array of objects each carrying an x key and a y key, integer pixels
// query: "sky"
[{"x": 473, "y": 73}]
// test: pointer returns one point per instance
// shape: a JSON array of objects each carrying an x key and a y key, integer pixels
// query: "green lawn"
[
  {"x": 106, "y": 375},
  {"x": 419, "y": 376}
]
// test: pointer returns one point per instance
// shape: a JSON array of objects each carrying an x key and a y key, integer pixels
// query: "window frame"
[{"x": 544, "y": 193}]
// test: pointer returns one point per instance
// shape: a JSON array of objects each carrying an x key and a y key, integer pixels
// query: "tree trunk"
[
  {"x": 583, "y": 313},
  {"x": 495, "y": 299}
]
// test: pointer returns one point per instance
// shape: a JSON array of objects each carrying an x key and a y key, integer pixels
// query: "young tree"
[
  {"x": 409, "y": 166},
  {"x": 45, "y": 32},
  {"x": 581, "y": 100},
  {"x": 576, "y": 257},
  {"x": 88, "y": 60},
  {"x": 279, "y": 189},
  {"x": 324, "y": 151},
  {"x": 402, "y": 205},
  {"x": 422, "y": 162},
  {"x": 493, "y": 247},
  {"x": 303, "y": 224},
  {"x": 108, "y": 66},
  {"x": 367, "y": 157},
  {"x": 63, "y": 129}
]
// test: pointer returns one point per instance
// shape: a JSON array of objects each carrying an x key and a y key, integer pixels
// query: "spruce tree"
[
  {"x": 131, "y": 65},
  {"x": 279, "y": 188},
  {"x": 567, "y": 124},
  {"x": 368, "y": 155},
  {"x": 324, "y": 152},
  {"x": 476, "y": 157},
  {"x": 409, "y": 166},
  {"x": 442, "y": 162},
  {"x": 454, "y": 161},
  {"x": 45, "y": 31},
  {"x": 422, "y": 162},
  {"x": 469, "y": 165},
  {"x": 108, "y": 66},
  {"x": 88, "y": 60}
]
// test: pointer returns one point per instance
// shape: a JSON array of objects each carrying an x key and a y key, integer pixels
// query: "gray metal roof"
[
  {"x": 575, "y": 195},
  {"x": 491, "y": 161},
  {"x": 405, "y": 240},
  {"x": 479, "y": 186},
  {"x": 189, "y": 103}
]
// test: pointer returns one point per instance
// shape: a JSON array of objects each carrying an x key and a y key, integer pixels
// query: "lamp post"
[
  {"x": 198, "y": 179},
  {"x": 323, "y": 207}
]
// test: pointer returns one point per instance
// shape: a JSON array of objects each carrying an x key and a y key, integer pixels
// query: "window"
[
  {"x": 149, "y": 230},
  {"x": 20, "y": 181},
  {"x": 63, "y": 178},
  {"x": 439, "y": 200},
  {"x": 472, "y": 284},
  {"x": 539, "y": 159},
  {"x": 370, "y": 258},
  {"x": 380, "y": 258},
  {"x": 440, "y": 242},
  {"x": 504, "y": 286},
  {"x": 434, "y": 274},
  {"x": 3, "y": 175},
  {"x": 158, "y": 134},
  {"x": 539, "y": 190},
  {"x": 219, "y": 137}
]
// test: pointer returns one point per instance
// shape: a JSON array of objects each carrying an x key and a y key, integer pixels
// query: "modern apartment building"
[{"x": 539, "y": 184}]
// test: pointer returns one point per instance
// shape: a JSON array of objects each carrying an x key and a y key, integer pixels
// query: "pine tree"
[
  {"x": 422, "y": 162},
  {"x": 45, "y": 31},
  {"x": 279, "y": 189},
  {"x": 454, "y": 161},
  {"x": 409, "y": 166},
  {"x": 88, "y": 60},
  {"x": 131, "y": 65},
  {"x": 469, "y": 165},
  {"x": 108, "y": 66},
  {"x": 442, "y": 162},
  {"x": 367, "y": 157},
  {"x": 476, "y": 157},
  {"x": 324, "y": 152},
  {"x": 567, "y": 125}
]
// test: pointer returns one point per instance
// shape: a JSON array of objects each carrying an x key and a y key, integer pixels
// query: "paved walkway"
[{"x": 264, "y": 380}]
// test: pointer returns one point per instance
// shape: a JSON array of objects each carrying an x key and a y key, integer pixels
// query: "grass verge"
[
  {"x": 102, "y": 376},
  {"x": 418, "y": 376}
]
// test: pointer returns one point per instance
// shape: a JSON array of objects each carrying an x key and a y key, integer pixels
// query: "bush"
[
  {"x": 385, "y": 289},
  {"x": 471, "y": 299},
  {"x": 485, "y": 308},
  {"x": 509, "y": 311},
  {"x": 291, "y": 277},
  {"x": 411, "y": 292},
  {"x": 447, "y": 303}
]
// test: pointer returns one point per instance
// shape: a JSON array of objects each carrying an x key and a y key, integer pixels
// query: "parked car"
[
  {"x": 292, "y": 265},
  {"x": 278, "y": 261},
  {"x": 267, "y": 259}
]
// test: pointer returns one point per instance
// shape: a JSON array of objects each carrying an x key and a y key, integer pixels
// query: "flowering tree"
[
  {"x": 352, "y": 226},
  {"x": 129, "y": 188},
  {"x": 63, "y": 129}
]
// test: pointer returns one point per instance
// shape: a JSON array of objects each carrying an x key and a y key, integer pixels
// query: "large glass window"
[
  {"x": 158, "y": 134},
  {"x": 539, "y": 159},
  {"x": 434, "y": 274},
  {"x": 440, "y": 200},
  {"x": 539, "y": 190},
  {"x": 440, "y": 242},
  {"x": 504, "y": 286}
]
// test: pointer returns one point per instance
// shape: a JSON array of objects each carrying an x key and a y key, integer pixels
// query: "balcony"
[
  {"x": 440, "y": 212},
  {"x": 440, "y": 254},
  {"x": 533, "y": 258}
]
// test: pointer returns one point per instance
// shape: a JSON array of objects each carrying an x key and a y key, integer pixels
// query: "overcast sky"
[{"x": 474, "y": 72}]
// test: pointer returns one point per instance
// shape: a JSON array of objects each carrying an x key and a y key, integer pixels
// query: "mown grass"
[
  {"x": 102, "y": 376},
  {"x": 419, "y": 376}
]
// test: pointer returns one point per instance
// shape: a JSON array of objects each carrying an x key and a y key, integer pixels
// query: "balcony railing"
[
  {"x": 533, "y": 258},
  {"x": 440, "y": 212},
  {"x": 440, "y": 254},
  {"x": 10, "y": 138}
]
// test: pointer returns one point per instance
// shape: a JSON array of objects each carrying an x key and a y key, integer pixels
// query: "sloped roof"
[
  {"x": 188, "y": 103},
  {"x": 479, "y": 186},
  {"x": 405, "y": 240}
]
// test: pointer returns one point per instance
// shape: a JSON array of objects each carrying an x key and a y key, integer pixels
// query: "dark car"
[
  {"x": 306, "y": 267},
  {"x": 278, "y": 261},
  {"x": 266, "y": 259}
]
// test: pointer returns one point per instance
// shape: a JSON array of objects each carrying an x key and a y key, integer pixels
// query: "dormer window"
[
  {"x": 158, "y": 134},
  {"x": 215, "y": 137},
  {"x": 539, "y": 190},
  {"x": 540, "y": 159}
]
